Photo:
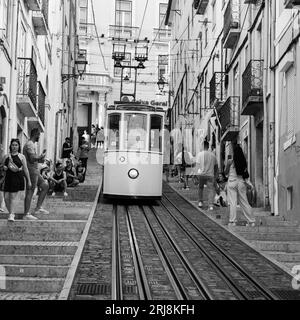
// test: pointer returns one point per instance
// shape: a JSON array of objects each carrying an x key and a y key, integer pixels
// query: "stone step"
[
  {"x": 284, "y": 256},
  {"x": 269, "y": 229},
  {"x": 35, "y": 271},
  {"x": 32, "y": 285},
  {"x": 37, "y": 248},
  {"x": 24, "y": 225},
  {"x": 277, "y": 246},
  {"x": 28, "y": 296},
  {"x": 274, "y": 236},
  {"x": 67, "y": 216},
  {"x": 51, "y": 260},
  {"x": 38, "y": 235}
]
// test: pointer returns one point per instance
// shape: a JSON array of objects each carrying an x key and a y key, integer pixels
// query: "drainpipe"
[
  {"x": 272, "y": 173},
  {"x": 13, "y": 75},
  {"x": 266, "y": 19},
  {"x": 56, "y": 133}
]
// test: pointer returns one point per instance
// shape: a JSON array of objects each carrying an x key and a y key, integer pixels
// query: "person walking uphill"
[
  {"x": 14, "y": 165},
  {"x": 237, "y": 170},
  {"x": 206, "y": 170},
  {"x": 83, "y": 155},
  {"x": 37, "y": 180}
]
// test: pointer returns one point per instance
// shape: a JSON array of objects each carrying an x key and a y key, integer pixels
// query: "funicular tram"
[{"x": 133, "y": 151}]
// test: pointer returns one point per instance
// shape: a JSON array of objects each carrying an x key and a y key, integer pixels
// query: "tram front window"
[
  {"x": 114, "y": 121},
  {"x": 155, "y": 133},
  {"x": 135, "y": 132}
]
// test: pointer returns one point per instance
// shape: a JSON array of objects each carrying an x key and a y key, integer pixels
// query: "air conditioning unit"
[{"x": 292, "y": 4}]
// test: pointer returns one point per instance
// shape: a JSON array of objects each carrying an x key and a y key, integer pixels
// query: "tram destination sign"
[{"x": 154, "y": 103}]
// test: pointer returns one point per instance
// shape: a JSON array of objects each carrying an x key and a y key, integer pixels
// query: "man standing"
[
  {"x": 206, "y": 170},
  {"x": 67, "y": 149},
  {"x": 37, "y": 180}
]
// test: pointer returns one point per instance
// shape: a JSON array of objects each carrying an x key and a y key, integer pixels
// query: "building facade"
[
  {"x": 135, "y": 26},
  {"x": 32, "y": 47}
]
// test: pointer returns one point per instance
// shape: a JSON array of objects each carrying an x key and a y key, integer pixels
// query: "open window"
[
  {"x": 114, "y": 121},
  {"x": 156, "y": 123}
]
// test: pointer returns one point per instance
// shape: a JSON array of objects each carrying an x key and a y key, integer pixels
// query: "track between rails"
[{"x": 169, "y": 250}]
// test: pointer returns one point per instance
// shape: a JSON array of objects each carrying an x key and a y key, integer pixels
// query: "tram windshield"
[
  {"x": 114, "y": 121},
  {"x": 135, "y": 131},
  {"x": 155, "y": 133}
]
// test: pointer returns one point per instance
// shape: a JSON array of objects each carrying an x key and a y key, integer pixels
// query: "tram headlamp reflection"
[{"x": 133, "y": 174}]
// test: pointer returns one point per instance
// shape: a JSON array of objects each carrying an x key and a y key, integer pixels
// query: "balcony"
[
  {"x": 27, "y": 87},
  {"x": 232, "y": 28},
  {"x": 200, "y": 6},
  {"x": 292, "y": 4},
  {"x": 217, "y": 89},
  {"x": 40, "y": 19},
  {"x": 95, "y": 82},
  {"x": 253, "y": 88},
  {"x": 229, "y": 115},
  {"x": 123, "y": 32},
  {"x": 33, "y": 5},
  {"x": 161, "y": 35},
  {"x": 39, "y": 120}
]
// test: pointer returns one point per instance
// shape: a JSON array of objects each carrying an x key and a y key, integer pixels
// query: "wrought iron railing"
[
  {"x": 231, "y": 16},
  {"x": 42, "y": 104},
  {"x": 27, "y": 79},
  {"x": 217, "y": 87},
  {"x": 123, "y": 32},
  {"x": 253, "y": 79},
  {"x": 229, "y": 114}
]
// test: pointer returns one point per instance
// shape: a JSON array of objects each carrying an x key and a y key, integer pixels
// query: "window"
[
  {"x": 135, "y": 131},
  {"x": 162, "y": 14},
  {"x": 127, "y": 71},
  {"x": 83, "y": 15},
  {"x": 155, "y": 133},
  {"x": 290, "y": 203},
  {"x": 290, "y": 102},
  {"x": 163, "y": 63},
  {"x": 123, "y": 13},
  {"x": 114, "y": 131},
  {"x": 5, "y": 20}
]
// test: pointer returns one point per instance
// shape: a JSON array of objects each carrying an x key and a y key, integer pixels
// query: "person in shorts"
[
  {"x": 59, "y": 180},
  {"x": 33, "y": 160}
]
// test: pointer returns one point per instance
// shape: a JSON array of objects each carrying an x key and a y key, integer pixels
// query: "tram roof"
[{"x": 134, "y": 106}]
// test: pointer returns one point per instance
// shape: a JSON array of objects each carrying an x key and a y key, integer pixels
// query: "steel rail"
[
  {"x": 176, "y": 284},
  {"x": 265, "y": 291},
  {"x": 202, "y": 287},
  {"x": 117, "y": 292},
  {"x": 142, "y": 283}
]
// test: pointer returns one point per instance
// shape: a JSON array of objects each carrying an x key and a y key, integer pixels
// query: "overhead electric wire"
[
  {"x": 98, "y": 38},
  {"x": 143, "y": 19}
]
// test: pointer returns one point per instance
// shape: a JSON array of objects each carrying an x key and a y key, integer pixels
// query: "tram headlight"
[{"x": 133, "y": 174}]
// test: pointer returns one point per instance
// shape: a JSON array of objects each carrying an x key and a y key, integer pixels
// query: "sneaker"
[
  {"x": 200, "y": 205},
  {"x": 11, "y": 218},
  {"x": 30, "y": 217},
  {"x": 2, "y": 210},
  {"x": 250, "y": 224},
  {"x": 53, "y": 194},
  {"x": 232, "y": 224},
  {"x": 41, "y": 211},
  {"x": 65, "y": 194}
]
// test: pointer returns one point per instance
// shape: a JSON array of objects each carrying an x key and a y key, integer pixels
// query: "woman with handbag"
[
  {"x": 15, "y": 166},
  {"x": 237, "y": 186}
]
